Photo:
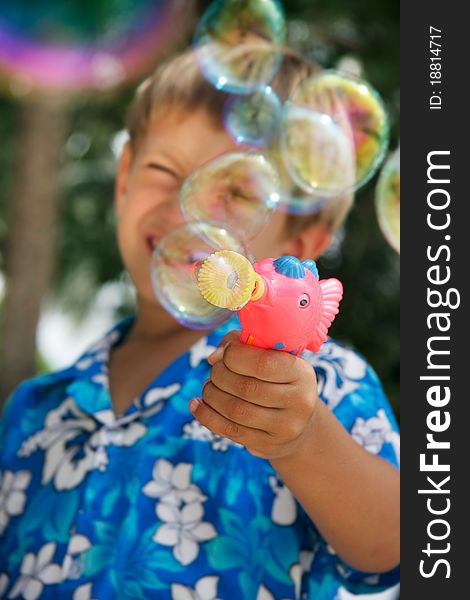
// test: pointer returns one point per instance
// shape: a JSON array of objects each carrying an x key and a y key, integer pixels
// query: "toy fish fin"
[
  {"x": 311, "y": 265},
  {"x": 332, "y": 292}
]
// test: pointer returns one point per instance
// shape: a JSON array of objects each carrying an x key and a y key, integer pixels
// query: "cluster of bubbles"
[
  {"x": 325, "y": 141},
  {"x": 225, "y": 203}
]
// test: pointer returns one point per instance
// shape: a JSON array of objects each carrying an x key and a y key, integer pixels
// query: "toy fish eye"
[{"x": 304, "y": 301}]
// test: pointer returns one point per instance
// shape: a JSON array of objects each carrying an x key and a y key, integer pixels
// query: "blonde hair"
[{"x": 179, "y": 82}]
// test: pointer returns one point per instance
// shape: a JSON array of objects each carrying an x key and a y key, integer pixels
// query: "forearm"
[{"x": 351, "y": 495}]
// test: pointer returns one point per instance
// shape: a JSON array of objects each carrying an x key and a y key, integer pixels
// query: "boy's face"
[{"x": 148, "y": 184}]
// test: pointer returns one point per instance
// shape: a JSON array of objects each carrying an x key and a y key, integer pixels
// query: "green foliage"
[
  {"x": 370, "y": 310},
  {"x": 9, "y": 126},
  {"x": 77, "y": 20},
  {"x": 87, "y": 253}
]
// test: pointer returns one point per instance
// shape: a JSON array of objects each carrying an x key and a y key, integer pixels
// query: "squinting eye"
[
  {"x": 165, "y": 175},
  {"x": 304, "y": 301}
]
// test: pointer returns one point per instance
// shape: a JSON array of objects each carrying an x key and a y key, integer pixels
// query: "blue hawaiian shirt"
[{"x": 151, "y": 504}]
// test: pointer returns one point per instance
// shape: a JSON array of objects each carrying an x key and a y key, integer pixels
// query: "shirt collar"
[{"x": 90, "y": 385}]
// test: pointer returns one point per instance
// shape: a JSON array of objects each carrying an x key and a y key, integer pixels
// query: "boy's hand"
[{"x": 262, "y": 399}]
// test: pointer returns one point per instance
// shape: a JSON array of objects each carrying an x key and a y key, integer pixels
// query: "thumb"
[{"x": 218, "y": 354}]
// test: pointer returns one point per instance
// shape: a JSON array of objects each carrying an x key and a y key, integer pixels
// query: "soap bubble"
[
  {"x": 317, "y": 152},
  {"x": 387, "y": 200},
  {"x": 74, "y": 47},
  {"x": 294, "y": 199},
  {"x": 175, "y": 265},
  {"x": 253, "y": 119},
  {"x": 238, "y": 190},
  {"x": 297, "y": 202},
  {"x": 232, "y": 30},
  {"x": 358, "y": 111}
]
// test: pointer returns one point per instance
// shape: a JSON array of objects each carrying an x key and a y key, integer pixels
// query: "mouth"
[{"x": 151, "y": 241}]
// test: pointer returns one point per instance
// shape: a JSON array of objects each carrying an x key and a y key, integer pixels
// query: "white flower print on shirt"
[
  {"x": 85, "y": 363},
  {"x": 194, "y": 430},
  {"x": 36, "y": 572},
  {"x": 12, "y": 495},
  {"x": 172, "y": 484},
  {"x": 160, "y": 393},
  {"x": 184, "y": 530},
  {"x": 83, "y": 592},
  {"x": 72, "y": 566},
  {"x": 390, "y": 594},
  {"x": 284, "y": 511},
  {"x": 373, "y": 433},
  {"x": 201, "y": 350},
  {"x": 65, "y": 436},
  {"x": 122, "y": 431},
  {"x": 264, "y": 593},
  {"x": 180, "y": 508},
  {"x": 205, "y": 589},
  {"x": 75, "y": 443},
  {"x": 101, "y": 379},
  {"x": 340, "y": 371},
  {"x": 296, "y": 571},
  {"x": 3, "y": 584}
]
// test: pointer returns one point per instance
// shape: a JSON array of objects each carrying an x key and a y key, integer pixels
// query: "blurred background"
[{"x": 61, "y": 129}]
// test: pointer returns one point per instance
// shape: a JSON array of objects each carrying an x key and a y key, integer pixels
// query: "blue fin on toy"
[
  {"x": 311, "y": 265},
  {"x": 289, "y": 266}
]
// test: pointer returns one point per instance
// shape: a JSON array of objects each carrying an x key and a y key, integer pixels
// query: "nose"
[{"x": 169, "y": 215}]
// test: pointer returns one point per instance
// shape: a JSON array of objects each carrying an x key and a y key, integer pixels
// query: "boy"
[{"x": 127, "y": 476}]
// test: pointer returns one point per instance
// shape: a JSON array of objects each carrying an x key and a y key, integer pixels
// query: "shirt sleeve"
[
  {"x": 352, "y": 390},
  {"x": 11, "y": 424},
  {"x": 23, "y": 414}
]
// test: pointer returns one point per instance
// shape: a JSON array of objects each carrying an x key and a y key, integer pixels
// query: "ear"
[
  {"x": 122, "y": 178},
  {"x": 311, "y": 242}
]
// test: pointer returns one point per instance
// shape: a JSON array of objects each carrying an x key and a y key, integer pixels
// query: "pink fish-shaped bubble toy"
[{"x": 281, "y": 303}]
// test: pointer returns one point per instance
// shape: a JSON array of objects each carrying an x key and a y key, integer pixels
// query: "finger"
[
  {"x": 219, "y": 352},
  {"x": 268, "y": 365},
  {"x": 262, "y": 393},
  {"x": 240, "y": 411},
  {"x": 220, "y": 425}
]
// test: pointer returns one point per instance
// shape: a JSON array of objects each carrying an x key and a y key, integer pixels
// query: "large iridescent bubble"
[
  {"x": 175, "y": 265},
  {"x": 294, "y": 200},
  {"x": 317, "y": 152},
  {"x": 238, "y": 191},
  {"x": 387, "y": 200},
  {"x": 358, "y": 111},
  {"x": 253, "y": 119},
  {"x": 236, "y": 43},
  {"x": 78, "y": 46}
]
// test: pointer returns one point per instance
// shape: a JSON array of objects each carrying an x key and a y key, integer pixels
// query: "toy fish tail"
[{"x": 332, "y": 292}]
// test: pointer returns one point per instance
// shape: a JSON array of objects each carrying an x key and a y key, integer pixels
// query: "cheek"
[{"x": 126, "y": 244}]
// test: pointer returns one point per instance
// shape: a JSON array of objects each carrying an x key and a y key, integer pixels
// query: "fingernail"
[
  {"x": 194, "y": 404},
  {"x": 218, "y": 354}
]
